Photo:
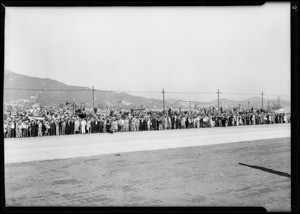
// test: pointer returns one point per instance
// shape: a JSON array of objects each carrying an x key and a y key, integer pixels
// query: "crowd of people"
[{"x": 36, "y": 122}]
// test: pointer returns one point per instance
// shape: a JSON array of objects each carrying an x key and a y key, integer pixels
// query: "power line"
[
  {"x": 237, "y": 93},
  {"x": 138, "y": 92},
  {"x": 190, "y": 92},
  {"x": 253, "y": 94},
  {"x": 281, "y": 95},
  {"x": 40, "y": 89}
]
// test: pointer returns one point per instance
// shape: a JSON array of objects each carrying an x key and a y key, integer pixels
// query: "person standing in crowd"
[
  {"x": 68, "y": 127},
  {"x": 198, "y": 121},
  {"x": 241, "y": 121},
  {"x": 17, "y": 129},
  {"x": 30, "y": 129},
  {"x": 153, "y": 123},
  {"x": 97, "y": 126},
  {"x": 92, "y": 123},
  {"x": 12, "y": 128},
  {"x": 253, "y": 119},
  {"x": 56, "y": 124},
  {"x": 190, "y": 122},
  {"x": 160, "y": 123},
  {"x": 169, "y": 122},
  {"x": 77, "y": 124},
  {"x": 53, "y": 128},
  {"x": 5, "y": 130},
  {"x": 148, "y": 124},
  {"x": 60, "y": 126},
  {"x": 137, "y": 124},
  {"x": 8, "y": 129},
  {"x": 125, "y": 124},
  {"x": 211, "y": 122},
  {"x": 63, "y": 127},
  {"x": 259, "y": 119},
  {"x": 289, "y": 118},
  {"x": 165, "y": 123},
  {"x": 108, "y": 124},
  {"x": 183, "y": 122},
  {"x": 179, "y": 121},
  {"x": 47, "y": 131},
  {"x": 140, "y": 124},
  {"x": 21, "y": 125},
  {"x": 157, "y": 121},
  {"x": 145, "y": 126},
  {"x": 36, "y": 128},
  {"x": 285, "y": 118},
  {"x": 72, "y": 126},
  {"x": 238, "y": 119},
  {"x": 40, "y": 126},
  {"x": 25, "y": 129},
  {"x": 132, "y": 124},
  {"x": 194, "y": 122},
  {"x": 265, "y": 119},
  {"x": 114, "y": 126},
  {"x": 88, "y": 126},
  {"x": 101, "y": 125},
  {"x": 173, "y": 121},
  {"x": 121, "y": 124},
  {"x": 230, "y": 120},
  {"x": 83, "y": 126},
  {"x": 187, "y": 121},
  {"x": 104, "y": 125}
]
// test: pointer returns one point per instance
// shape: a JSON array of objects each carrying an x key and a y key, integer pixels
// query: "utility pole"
[
  {"x": 218, "y": 100},
  {"x": 163, "y": 92},
  {"x": 74, "y": 107},
  {"x": 248, "y": 104},
  {"x": 269, "y": 104},
  {"x": 93, "y": 90},
  {"x": 262, "y": 99}
]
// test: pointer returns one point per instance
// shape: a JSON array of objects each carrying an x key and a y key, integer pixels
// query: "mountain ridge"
[{"x": 60, "y": 93}]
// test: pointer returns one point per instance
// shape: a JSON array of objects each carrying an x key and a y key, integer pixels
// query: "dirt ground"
[{"x": 192, "y": 176}]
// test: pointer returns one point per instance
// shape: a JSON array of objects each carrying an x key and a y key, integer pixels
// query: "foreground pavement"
[
  {"x": 58, "y": 147},
  {"x": 251, "y": 173}
]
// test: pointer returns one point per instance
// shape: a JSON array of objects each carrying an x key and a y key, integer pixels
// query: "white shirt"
[{"x": 83, "y": 123}]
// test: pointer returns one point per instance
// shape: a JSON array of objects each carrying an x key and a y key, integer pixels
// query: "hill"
[
  {"x": 27, "y": 90},
  {"x": 51, "y": 92}
]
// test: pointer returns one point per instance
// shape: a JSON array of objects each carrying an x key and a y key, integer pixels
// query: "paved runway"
[{"x": 59, "y": 147}]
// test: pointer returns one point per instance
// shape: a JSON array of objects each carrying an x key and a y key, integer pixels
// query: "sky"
[{"x": 239, "y": 50}]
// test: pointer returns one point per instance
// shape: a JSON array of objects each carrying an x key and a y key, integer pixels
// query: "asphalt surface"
[{"x": 58, "y": 147}]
